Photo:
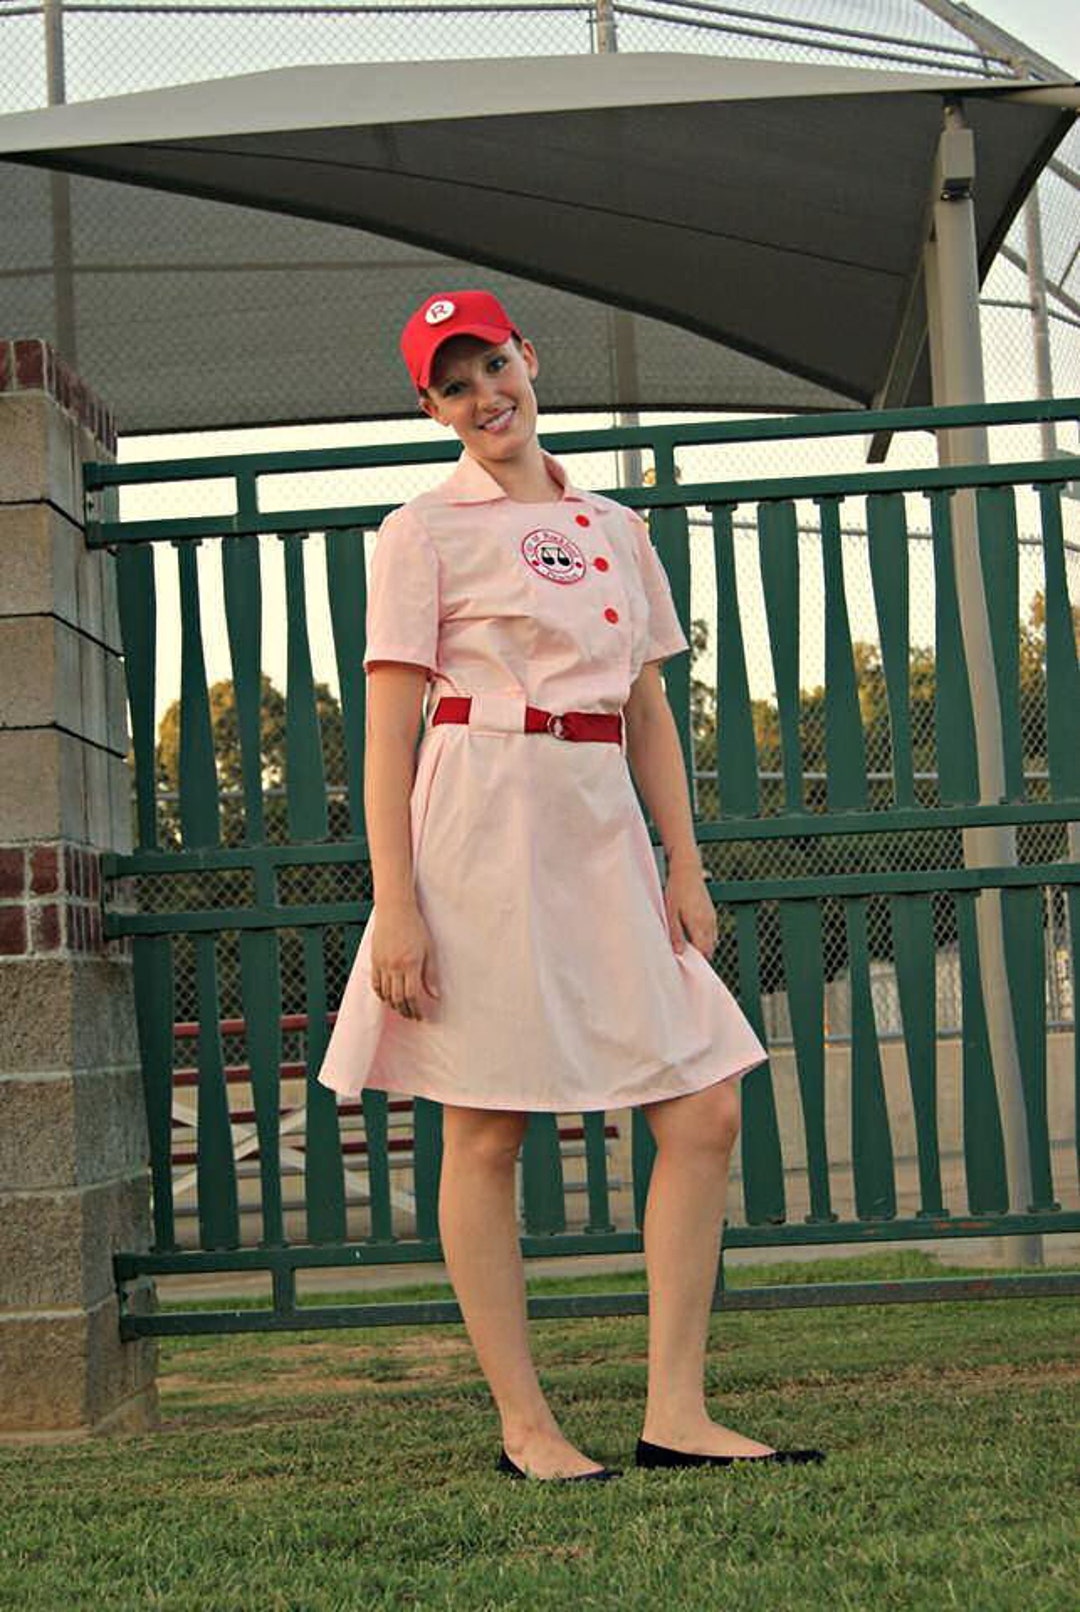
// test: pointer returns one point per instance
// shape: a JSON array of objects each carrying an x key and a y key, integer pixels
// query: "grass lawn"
[{"x": 333, "y": 1471}]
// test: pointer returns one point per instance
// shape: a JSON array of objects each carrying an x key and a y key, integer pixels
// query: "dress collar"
[{"x": 470, "y": 483}]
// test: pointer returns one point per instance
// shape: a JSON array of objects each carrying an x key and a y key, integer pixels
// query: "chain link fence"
[
  {"x": 77, "y": 50},
  {"x": 111, "y": 48},
  {"x": 1031, "y": 333}
]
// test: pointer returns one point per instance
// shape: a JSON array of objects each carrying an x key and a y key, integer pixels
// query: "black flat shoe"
[
  {"x": 504, "y": 1464},
  {"x": 658, "y": 1455}
]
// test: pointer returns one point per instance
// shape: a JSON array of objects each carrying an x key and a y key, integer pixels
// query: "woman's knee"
[
  {"x": 487, "y": 1136},
  {"x": 705, "y": 1121}
]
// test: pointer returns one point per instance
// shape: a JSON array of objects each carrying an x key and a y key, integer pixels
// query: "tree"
[{"x": 227, "y": 758}]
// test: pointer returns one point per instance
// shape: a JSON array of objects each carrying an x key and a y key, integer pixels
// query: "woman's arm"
[
  {"x": 395, "y": 694},
  {"x": 655, "y": 757},
  {"x": 401, "y": 956}
]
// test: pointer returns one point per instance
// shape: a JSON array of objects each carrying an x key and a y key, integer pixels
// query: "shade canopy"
[{"x": 245, "y": 250}]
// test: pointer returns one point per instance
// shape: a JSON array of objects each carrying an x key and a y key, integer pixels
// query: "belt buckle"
[{"x": 556, "y": 726}]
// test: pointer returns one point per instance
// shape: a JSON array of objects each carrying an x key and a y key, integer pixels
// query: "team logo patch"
[
  {"x": 553, "y": 556},
  {"x": 439, "y": 311}
]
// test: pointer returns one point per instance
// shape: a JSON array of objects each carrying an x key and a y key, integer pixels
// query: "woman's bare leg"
[
  {"x": 479, "y": 1231},
  {"x": 682, "y": 1230}
]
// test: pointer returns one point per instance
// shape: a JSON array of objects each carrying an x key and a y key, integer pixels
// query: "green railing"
[{"x": 785, "y": 919}]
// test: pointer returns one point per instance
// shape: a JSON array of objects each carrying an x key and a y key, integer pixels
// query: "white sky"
[{"x": 1049, "y": 26}]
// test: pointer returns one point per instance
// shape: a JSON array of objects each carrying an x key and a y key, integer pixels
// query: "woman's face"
[{"x": 484, "y": 393}]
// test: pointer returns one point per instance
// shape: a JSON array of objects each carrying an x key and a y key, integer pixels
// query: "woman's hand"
[
  {"x": 402, "y": 958},
  {"x": 688, "y": 905}
]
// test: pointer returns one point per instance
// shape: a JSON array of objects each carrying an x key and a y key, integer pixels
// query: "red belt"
[{"x": 570, "y": 725}]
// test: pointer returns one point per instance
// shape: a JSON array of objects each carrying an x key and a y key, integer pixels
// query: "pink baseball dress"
[{"x": 533, "y": 866}]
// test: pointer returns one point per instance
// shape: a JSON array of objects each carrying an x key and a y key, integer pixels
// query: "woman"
[{"x": 520, "y": 954}]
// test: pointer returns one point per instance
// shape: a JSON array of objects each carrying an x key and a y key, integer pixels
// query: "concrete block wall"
[{"x": 74, "y": 1179}]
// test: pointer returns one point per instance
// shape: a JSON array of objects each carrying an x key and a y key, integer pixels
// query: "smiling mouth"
[{"x": 500, "y": 422}]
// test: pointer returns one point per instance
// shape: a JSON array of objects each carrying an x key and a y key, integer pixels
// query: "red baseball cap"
[{"x": 451, "y": 313}]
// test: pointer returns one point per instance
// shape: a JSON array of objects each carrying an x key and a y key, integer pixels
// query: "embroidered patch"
[
  {"x": 440, "y": 311},
  {"x": 553, "y": 556}
]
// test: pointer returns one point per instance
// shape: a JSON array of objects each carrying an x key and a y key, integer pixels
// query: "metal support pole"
[
  {"x": 953, "y": 292},
  {"x": 623, "y": 350},
  {"x": 621, "y": 343},
  {"x": 1044, "y": 374},
  {"x": 606, "y": 42},
  {"x": 935, "y": 339},
  {"x": 60, "y": 194},
  {"x": 1040, "y": 322}
]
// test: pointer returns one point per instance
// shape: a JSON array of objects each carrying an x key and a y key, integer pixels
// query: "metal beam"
[
  {"x": 995, "y": 41},
  {"x": 1060, "y": 294},
  {"x": 1063, "y": 95}
]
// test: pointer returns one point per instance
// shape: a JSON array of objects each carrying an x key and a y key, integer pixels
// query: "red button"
[
  {"x": 600, "y": 563},
  {"x": 612, "y": 615},
  {"x": 582, "y": 520}
]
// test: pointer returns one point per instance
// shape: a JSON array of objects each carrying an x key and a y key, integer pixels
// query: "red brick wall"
[
  {"x": 50, "y": 901},
  {"x": 33, "y": 366}
]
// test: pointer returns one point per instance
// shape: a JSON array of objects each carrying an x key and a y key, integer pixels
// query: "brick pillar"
[{"x": 74, "y": 1183}]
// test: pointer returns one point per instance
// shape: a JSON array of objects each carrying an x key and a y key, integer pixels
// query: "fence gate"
[{"x": 835, "y": 815}]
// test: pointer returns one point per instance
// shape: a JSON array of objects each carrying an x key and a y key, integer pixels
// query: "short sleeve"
[
  {"x": 402, "y": 620},
  {"x": 666, "y": 636}
]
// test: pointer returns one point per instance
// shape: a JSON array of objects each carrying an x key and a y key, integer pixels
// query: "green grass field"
[{"x": 333, "y": 1471}]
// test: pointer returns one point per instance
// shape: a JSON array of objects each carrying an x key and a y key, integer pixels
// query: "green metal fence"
[{"x": 817, "y": 878}]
